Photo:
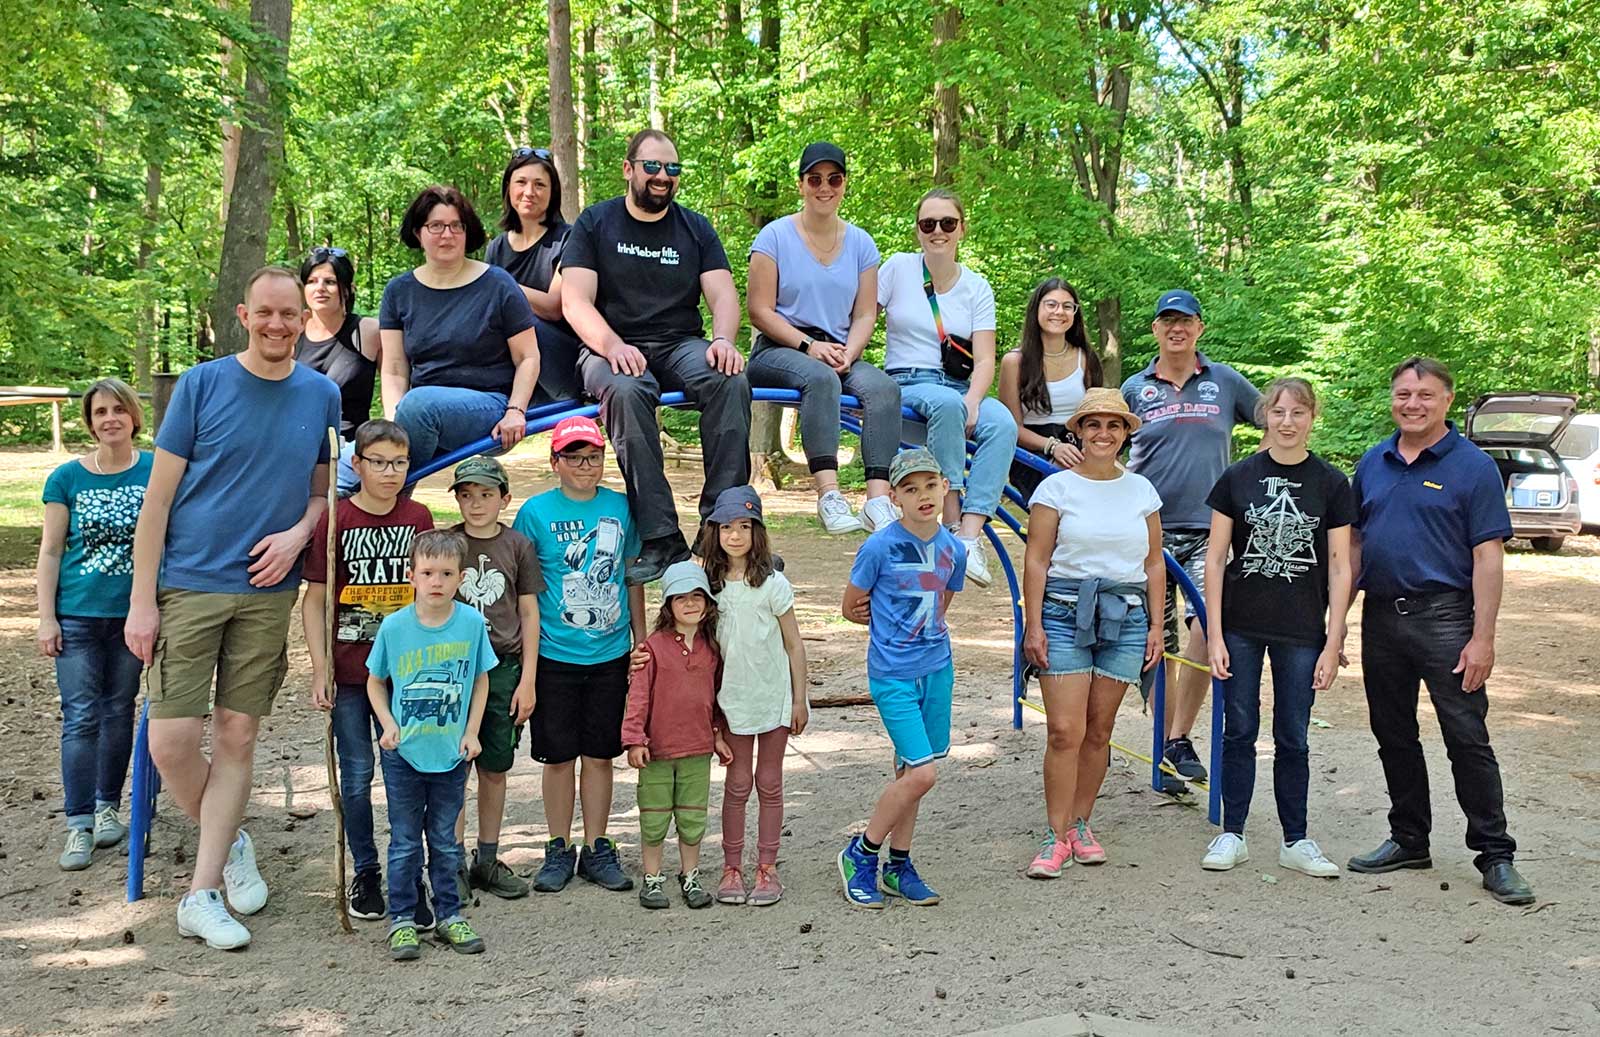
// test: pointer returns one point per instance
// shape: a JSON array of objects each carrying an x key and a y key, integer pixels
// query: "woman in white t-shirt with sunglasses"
[{"x": 939, "y": 346}]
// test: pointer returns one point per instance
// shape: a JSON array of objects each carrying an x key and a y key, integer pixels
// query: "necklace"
[
  {"x": 94, "y": 462},
  {"x": 838, "y": 236},
  {"x": 1063, "y": 351}
]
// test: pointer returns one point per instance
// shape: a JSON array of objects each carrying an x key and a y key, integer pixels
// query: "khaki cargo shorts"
[{"x": 238, "y": 641}]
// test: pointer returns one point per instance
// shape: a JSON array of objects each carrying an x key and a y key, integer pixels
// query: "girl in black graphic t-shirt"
[{"x": 1285, "y": 515}]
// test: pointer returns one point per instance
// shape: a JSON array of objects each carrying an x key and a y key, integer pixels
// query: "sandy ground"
[{"x": 1271, "y": 949}]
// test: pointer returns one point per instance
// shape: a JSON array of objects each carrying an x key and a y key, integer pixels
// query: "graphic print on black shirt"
[{"x": 1282, "y": 538}]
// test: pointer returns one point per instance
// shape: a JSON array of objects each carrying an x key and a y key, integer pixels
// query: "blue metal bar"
[
  {"x": 1158, "y": 702},
  {"x": 142, "y": 803}
]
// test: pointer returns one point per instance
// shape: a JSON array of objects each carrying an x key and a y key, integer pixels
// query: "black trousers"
[{"x": 1399, "y": 652}]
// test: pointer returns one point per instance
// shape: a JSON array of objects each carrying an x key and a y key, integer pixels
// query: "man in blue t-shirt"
[
  {"x": 588, "y": 622},
  {"x": 900, "y": 586},
  {"x": 1429, "y": 553},
  {"x": 633, "y": 272},
  {"x": 238, "y": 484}
]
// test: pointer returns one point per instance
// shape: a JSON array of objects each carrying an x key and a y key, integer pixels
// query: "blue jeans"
[
  {"x": 939, "y": 401},
  {"x": 355, "y": 731},
  {"x": 99, "y": 680},
  {"x": 423, "y": 804},
  {"x": 1293, "y": 666},
  {"x": 440, "y": 418},
  {"x": 347, "y": 481}
]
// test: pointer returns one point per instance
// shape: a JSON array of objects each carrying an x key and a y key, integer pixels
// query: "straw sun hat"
[{"x": 1103, "y": 400}]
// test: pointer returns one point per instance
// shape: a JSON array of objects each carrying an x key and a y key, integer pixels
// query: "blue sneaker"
[
  {"x": 900, "y": 879},
  {"x": 599, "y": 864},
  {"x": 560, "y": 864},
  {"x": 859, "y": 871}
]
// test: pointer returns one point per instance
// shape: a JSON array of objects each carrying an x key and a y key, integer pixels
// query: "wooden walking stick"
[{"x": 331, "y": 626}]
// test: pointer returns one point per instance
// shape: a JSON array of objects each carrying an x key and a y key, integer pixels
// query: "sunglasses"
[
  {"x": 816, "y": 179},
  {"x": 322, "y": 253},
  {"x": 651, "y": 167},
  {"x": 944, "y": 223},
  {"x": 539, "y": 153}
]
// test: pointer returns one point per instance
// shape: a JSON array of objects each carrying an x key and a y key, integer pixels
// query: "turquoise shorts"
[{"x": 916, "y": 713}]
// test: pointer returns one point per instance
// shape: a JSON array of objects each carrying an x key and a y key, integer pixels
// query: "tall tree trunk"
[
  {"x": 150, "y": 218},
  {"x": 766, "y": 419},
  {"x": 227, "y": 57},
  {"x": 291, "y": 229},
  {"x": 563, "y": 138},
  {"x": 1108, "y": 337},
  {"x": 244, "y": 237},
  {"x": 946, "y": 97},
  {"x": 588, "y": 108}
]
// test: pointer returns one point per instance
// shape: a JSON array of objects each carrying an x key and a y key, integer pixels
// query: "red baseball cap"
[{"x": 576, "y": 430}]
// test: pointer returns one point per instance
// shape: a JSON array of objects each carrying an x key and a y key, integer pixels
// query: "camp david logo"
[
  {"x": 1151, "y": 393},
  {"x": 1208, "y": 391}
]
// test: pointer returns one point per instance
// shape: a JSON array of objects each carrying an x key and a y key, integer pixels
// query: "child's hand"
[
  {"x": 638, "y": 756},
  {"x": 522, "y": 703},
  {"x": 801, "y": 717},
  {"x": 391, "y": 738},
  {"x": 470, "y": 747},
  {"x": 320, "y": 699},
  {"x": 724, "y": 751},
  {"x": 862, "y": 613},
  {"x": 637, "y": 658}
]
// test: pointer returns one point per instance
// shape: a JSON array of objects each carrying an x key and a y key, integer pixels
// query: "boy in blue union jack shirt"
[{"x": 900, "y": 586}]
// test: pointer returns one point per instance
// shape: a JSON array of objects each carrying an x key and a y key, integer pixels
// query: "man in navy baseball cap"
[{"x": 1178, "y": 301}]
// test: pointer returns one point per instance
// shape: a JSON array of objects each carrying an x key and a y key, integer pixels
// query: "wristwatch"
[{"x": 806, "y": 344}]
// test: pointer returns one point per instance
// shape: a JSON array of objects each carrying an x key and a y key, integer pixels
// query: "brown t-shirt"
[
  {"x": 372, "y": 577},
  {"x": 500, "y": 570}
]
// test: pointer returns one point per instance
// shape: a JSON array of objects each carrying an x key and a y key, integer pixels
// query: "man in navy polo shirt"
[
  {"x": 1189, "y": 406},
  {"x": 1429, "y": 554}
]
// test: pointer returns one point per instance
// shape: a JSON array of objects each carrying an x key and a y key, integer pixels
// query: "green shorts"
[
  {"x": 674, "y": 790},
  {"x": 237, "y": 641},
  {"x": 499, "y": 731}
]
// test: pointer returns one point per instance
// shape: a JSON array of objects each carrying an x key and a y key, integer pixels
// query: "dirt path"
[{"x": 1273, "y": 950}]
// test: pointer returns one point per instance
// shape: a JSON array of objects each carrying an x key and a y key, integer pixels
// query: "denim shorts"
[{"x": 1122, "y": 659}]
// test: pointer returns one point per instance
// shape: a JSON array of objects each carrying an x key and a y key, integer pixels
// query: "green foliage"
[{"x": 1343, "y": 183}]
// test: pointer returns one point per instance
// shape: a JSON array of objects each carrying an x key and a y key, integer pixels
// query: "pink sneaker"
[
  {"x": 1054, "y": 854},
  {"x": 731, "y": 889},
  {"x": 768, "y": 889},
  {"x": 1086, "y": 849}
]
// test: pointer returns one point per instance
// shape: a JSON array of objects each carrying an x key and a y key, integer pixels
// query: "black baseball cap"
[{"x": 819, "y": 152}]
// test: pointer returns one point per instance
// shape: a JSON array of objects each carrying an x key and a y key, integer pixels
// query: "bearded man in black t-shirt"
[{"x": 634, "y": 270}]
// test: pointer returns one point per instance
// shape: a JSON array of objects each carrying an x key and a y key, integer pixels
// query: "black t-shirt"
[
  {"x": 341, "y": 359},
  {"x": 535, "y": 265},
  {"x": 1276, "y": 585},
  {"x": 458, "y": 337},
  {"x": 648, "y": 273}
]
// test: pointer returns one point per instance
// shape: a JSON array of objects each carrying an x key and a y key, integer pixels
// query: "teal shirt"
[
  {"x": 431, "y": 671},
  {"x": 102, "y": 511},
  {"x": 584, "y": 547}
]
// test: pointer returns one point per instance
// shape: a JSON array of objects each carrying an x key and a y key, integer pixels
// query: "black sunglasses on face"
[
  {"x": 945, "y": 223},
  {"x": 652, "y": 167},
  {"x": 815, "y": 179},
  {"x": 522, "y": 153},
  {"x": 322, "y": 253}
]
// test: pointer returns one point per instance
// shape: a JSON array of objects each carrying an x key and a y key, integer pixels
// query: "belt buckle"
[{"x": 1400, "y": 606}]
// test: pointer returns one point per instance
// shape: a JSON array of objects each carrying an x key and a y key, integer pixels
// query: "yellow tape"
[
  {"x": 1166, "y": 768},
  {"x": 1202, "y": 667}
]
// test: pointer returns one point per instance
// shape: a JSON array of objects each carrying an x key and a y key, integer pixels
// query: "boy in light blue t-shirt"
[
  {"x": 900, "y": 586},
  {"x": 428, "y": 685}
]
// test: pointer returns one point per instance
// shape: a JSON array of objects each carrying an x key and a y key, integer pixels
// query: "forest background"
[{"x": 1342, "y": 182}]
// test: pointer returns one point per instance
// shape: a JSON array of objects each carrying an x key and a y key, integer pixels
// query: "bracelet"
[
  {"x": 721, "y": 338},
  {"x": 519, "y": 410}
]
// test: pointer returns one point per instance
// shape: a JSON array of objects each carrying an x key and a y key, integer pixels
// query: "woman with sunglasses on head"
[
  {"x": 529, "y": 249},
  {"x": 1043, "y": 380},
  {"x": 339, "y": 343},
  {"x": 812, "y": 298},
  {"x": 939, "y": 346},
  {"x": 460, "y": 353}
]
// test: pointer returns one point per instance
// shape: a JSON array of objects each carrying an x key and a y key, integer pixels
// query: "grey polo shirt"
[{"x": 1186, "y": 441}]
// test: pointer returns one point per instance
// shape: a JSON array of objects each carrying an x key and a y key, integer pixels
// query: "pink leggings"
[{"x": 769, "y": 790}]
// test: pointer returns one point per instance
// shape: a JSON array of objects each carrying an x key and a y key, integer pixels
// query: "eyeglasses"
[
  {"x": 1056, "y": 306},
  {"x": 539, "y": 153},
  {"x": 651, "y": 167},
  {"x": 583, "y": 460},
  {"x": 815, "y": 179},
  {"x": 322, "y": 253},
  {"x": 438, "y": 228},
  {"x": 944, "y": 223},
  {"x": 398, "y": 464}
]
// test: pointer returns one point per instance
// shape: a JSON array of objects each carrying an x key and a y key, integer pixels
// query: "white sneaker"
[
  {"x": 877, "y": 513},
  {"x": 203, "y": 914},
  {"x": 108, "y": 827},
  {"x": 977, "y": 566},
  {"x": 1305, "y": 856},
  {"x": 247, "y": 890},
  {"x": 1225, "y": 851},
  {"x": 836, "y": 514}
]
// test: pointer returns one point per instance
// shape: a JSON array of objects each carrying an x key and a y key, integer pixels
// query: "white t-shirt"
[
  {"x": 1102, "y": 531},
  {"x": 756, "y": 696},
  {"x": 910, "y": 339}
]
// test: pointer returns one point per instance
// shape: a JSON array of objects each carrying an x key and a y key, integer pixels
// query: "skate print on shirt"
[{"x": 1282, "y": 540}]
